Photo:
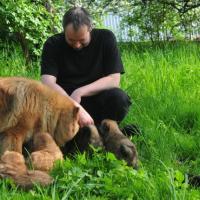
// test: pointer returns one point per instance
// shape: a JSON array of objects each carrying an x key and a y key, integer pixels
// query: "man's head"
[{"x": 77, "y": 26}]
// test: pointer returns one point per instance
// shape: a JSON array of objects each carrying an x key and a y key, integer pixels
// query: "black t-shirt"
[{"x": 73, "y": 68}]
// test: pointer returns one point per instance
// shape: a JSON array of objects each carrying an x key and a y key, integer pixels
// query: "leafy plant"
[{"x": 29, "y": 23}]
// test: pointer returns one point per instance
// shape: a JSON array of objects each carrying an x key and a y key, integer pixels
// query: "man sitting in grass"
[{"x": 84, "y": 63}]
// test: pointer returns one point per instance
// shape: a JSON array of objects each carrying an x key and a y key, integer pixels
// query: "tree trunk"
[{"x": 24, "y": 45}]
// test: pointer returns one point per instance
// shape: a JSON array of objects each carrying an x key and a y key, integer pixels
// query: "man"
[{"x": 85, "y": 64}]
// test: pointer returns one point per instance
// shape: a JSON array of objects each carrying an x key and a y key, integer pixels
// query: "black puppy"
[{"x": 86, "y": 136}]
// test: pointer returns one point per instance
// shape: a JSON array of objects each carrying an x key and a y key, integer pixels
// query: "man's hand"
[
  {"x": 76, "y": 95},
  {"x": 84, "y": 118}
]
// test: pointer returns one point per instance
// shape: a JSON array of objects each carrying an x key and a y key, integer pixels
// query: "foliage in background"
[
  {"x": 97, "y": 8},
  {"x": 162, "y": 19},
  {"x": 29, "y": 23},
  {"x": 150, "y": 19}
]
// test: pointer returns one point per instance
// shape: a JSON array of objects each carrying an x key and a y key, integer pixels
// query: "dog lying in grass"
[
  {"x": 108, "y": 137},
  {"x": 30, "y": 110}
]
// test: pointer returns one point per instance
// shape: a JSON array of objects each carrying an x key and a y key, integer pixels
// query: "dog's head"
[
  {"x": 117, "y": 143},
  {"x": 67, "y": 125}
]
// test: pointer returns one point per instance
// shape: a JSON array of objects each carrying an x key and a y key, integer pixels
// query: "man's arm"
[
  {"x": 112, "y": 67},
  {"x": 50, "y": 81},
  {"x": 97, "y": 86},
  {"x": 84, "y": 117}
]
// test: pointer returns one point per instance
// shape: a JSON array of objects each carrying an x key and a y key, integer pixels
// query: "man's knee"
[
  {"x": 117, "y": 97},
  {"x": 116, "y": 104}
]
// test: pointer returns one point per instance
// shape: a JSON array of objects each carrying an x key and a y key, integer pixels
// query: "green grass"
[
  {"x": 12, "y": 63},
  {"x": 163, "y": 81}
]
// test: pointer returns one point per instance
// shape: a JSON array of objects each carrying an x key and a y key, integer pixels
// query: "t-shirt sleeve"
[
  {"x": 112, "y": 59},
  {"x": 49, "y": 64}
]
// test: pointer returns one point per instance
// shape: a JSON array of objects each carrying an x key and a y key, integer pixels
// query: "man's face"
[{"x": 77, "y": 39}]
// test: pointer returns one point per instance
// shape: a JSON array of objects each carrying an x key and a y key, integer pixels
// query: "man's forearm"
[
  {"x": 101, "y": 84},
  {"x": 56, "y": 87},
  {"x": 84, "y": 117}
]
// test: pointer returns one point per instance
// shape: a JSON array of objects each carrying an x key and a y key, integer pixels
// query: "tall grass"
[
  {"x": 12, "y": 63},
  {"x": 163, "y": 81}
]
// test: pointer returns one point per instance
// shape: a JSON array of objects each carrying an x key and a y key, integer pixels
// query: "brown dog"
[
  {"x": 29, "y": 108},
  {"x": 117, "y": 143}
]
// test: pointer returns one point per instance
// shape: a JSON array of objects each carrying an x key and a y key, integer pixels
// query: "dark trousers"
[{"x": 109, "y": 104}]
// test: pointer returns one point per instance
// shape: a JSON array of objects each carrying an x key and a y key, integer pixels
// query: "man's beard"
[
  {"x": 83, "y": 46},
  {"x": 77, "y": 49}
]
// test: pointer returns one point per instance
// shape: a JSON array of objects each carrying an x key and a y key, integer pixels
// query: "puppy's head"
[
  {"x": 116, "y": 142},
  {"x": 128, "y": 153}
]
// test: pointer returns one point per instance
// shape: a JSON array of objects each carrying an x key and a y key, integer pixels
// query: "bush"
[{"x": 28, "y": 22}]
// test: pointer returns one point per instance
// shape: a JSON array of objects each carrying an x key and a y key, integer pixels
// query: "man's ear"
[{"x": 90, "y": 27}]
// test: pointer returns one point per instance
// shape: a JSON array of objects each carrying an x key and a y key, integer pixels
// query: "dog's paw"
[{"x": 42, "y": 160}]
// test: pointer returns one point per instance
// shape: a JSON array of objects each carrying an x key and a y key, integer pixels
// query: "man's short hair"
[{"x": 77, "y": 16}]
